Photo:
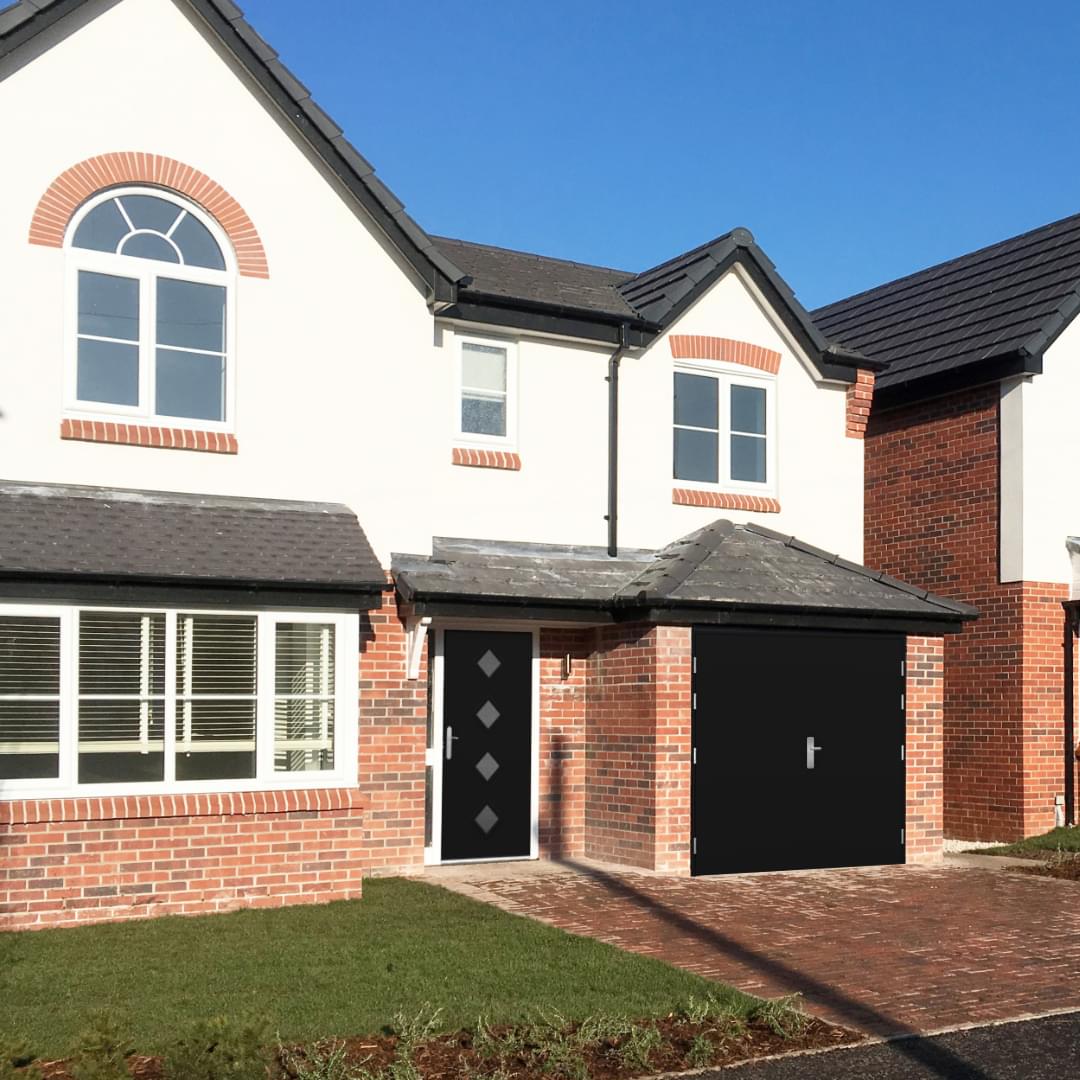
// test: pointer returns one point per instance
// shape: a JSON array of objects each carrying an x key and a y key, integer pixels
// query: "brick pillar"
[
  {"x": 393, "y": 739},
  {"x": 924, "y": 748},
  {"x": 672, "y": 658}
]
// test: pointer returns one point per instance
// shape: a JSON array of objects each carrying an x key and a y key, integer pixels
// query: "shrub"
[
  {"x": 220, "y": 1049},
  {"x": 102, "y": 1050},
  {"x": 782, "y": 1016}
]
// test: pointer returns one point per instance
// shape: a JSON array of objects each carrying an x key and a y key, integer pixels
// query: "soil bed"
[{"x": 1064, "y": 866}]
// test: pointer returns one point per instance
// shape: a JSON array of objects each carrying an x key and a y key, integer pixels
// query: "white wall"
[
  {"x": 345, "y": 387},
  {"x": 1050, "y": 439}
]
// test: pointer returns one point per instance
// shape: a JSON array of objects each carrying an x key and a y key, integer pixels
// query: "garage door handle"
[{"x": 811, "y": 750}]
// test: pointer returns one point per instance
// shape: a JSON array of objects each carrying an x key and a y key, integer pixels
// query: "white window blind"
[
  {"x": 216, "y": 688},
  {"x": 304, "y": 682},
  {"x": 121, "y": 714},
  {"x": 29, "y": 697}
]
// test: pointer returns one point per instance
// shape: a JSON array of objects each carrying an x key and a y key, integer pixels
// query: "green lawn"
[
  {"x": 337, "y": 969},
  {"x": 1063, "y": 839}
]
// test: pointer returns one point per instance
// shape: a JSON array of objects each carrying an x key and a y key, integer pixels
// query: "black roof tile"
[
  {"x": 1011, "y": 298},
  {"x": 52, "y": 530}
]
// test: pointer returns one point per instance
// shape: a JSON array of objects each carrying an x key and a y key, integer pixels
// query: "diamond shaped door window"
[
  {"x": 489, "y": 663},
  {"x": 487, "y": 714},
  {"x": 487, "y": 766},
  {"x": 487, "y": 819}
]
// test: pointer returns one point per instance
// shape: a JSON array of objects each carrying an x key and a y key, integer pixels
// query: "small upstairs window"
[
  {"x": 486, "y": 384},
  {"x": 723, "y": 430},
  {"x": 151, "y": 311}
]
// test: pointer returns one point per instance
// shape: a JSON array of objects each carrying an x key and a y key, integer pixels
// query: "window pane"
[
  {"x": 483, "y": 367},
  {"x": 696, "y": 456},
  {"x": 483, "y": 416},
  {"x": 150, "y": 212},
  {"x": 121, "y": 680},
  {"x": 304, "y": 709},
  {"x": 149, "y": 246},
  {"x": 29, "y": 730},
  {"x": 216, "y": 684},
  {"x": 196, "y": 244},
  {"x": 191, "y": 316},
  {"x": 748, "y": 409},
  {"x": 102, "y": 229},
  {"x": 696, "y": 400},
  {"x": 108, "y": 372},
  {"x": 191, "y": 385},
  {"x": 748, "y": 458},
  {"x": 108, "y": 306}
]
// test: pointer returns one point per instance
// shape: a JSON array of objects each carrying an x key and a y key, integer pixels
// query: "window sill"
[
  {"x": 486, "y": 459},
  {"x": 223, "y": 804},
  {"x": 164, "y": 438},
  {"x": 722, "y": 500}
]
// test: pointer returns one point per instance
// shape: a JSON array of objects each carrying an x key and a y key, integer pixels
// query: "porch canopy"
[
  {"x": 103, "y": 545},
  {"x": 721, "y": 574}
]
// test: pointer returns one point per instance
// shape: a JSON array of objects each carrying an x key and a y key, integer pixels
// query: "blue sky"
[{"x": 858, "y": 141}]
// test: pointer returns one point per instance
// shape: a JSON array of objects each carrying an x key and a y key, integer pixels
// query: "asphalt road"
[{"x": 1045, "y": 1049}]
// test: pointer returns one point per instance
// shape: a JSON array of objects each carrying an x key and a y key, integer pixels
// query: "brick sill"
[
  {"x": 210, "y": 804},
  {"x": 485, "y": 459},
  {"x": 721, "y": 500},
  {"x": 162, "y": 438}
]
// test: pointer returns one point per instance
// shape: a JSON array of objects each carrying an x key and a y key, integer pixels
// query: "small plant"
[
  {"x": 411, "y": 1031},
  {"x": 320, "y": 1061},
  {"x": 782, "y": 1016},
  {"x": 15, "y": 1059},
  {"x": 220, "y": 1049},
  {"x": 102, "y": 1050},
  {"x": 602, "y": 1029},
  {"x": 638, "y": 1047},
  {"x": 700, "y": 1052}
]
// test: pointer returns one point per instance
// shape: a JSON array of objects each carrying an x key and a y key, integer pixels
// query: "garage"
[{"x": 798, "y": 749}]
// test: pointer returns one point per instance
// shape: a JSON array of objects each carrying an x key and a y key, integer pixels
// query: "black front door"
[
  {"x": 487, "y": 745},
  {"x": 798, "y": 750}
]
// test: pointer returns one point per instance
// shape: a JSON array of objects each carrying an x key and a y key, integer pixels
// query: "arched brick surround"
[
  {"x": 701, "y": 347},
  {"x": 77, "y": 184}
]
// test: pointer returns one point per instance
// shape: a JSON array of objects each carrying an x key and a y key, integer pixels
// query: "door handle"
[
  {"x": 450, "y": 737},
  {"x": 811, "y": 750}
]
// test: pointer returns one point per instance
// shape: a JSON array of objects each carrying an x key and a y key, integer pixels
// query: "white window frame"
[
  {"x": 346, "y": 706},
  {"x": 146, "y": 272},
  {"x": 728, "y": 375},
  {"x": 472, "y": 438}
]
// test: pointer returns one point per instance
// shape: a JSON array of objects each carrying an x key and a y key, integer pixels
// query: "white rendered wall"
[
  {"x": 1051, "y": 455},
  {"x": 345, "y": 387}
]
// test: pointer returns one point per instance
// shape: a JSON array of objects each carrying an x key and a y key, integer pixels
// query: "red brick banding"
[
  {"x": 105, "y": 431},
  {"x": 75, "y": 185},
  {"x": 700, "y": 347},
  {"x": 860, "y": 397},
  {"x": 720, "y": 500},
  {"x": 485, "y": 459}
]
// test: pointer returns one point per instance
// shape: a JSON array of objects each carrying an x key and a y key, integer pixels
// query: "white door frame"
[{"x": 434, "y": 754}]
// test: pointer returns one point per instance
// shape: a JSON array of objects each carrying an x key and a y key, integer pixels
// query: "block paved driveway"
[{"x": 887, "y": 950}]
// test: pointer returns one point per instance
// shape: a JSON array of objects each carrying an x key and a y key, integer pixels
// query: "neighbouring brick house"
[
  {"x": 969, "y": 448},
  {"x": 332, "y": 548}
]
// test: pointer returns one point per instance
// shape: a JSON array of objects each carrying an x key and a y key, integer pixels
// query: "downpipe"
[{"x": 612, "y": 515}]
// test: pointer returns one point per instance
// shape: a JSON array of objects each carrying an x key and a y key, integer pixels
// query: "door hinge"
[
  {"x": 902, "y": 752},
  {"x": 695, "y": 665},
  {"x": 903, "y": 667},
  {"x": 694, "y": 701},
  {"x": 902, "y": 702},
  {"x": 693, "y": 846},
  {"x": 901, "y": 837},
  {"x": 693, "y": 756}
]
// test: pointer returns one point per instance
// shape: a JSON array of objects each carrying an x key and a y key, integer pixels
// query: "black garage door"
[{"x": 798, "y": 750}]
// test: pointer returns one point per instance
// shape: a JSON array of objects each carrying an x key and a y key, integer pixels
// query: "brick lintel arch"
[
  {"x": 702, "y": 347},
  {"x": 75, "y": 185}
]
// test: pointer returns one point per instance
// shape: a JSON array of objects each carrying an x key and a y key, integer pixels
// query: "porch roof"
[
  {"x": 721, "y": 573},
  {"x": 65, "y": 535}
]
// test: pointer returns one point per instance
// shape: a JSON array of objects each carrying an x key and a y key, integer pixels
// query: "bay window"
[
  {"x": 723, "y": 430},
  {"x": 116, "y": 701}
]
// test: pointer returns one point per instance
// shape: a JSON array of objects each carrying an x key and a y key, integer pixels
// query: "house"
[
  {"x": 969, "y": 447},
  {"x": 331, "y": 548}
]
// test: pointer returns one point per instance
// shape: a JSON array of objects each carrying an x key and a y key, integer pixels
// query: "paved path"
[
  {"x": 1045, "y": 1049},
  {"x": 885, "y": 950}
]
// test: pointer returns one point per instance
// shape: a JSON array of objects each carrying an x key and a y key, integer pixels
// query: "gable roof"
[
  {"x": 720, "y": 573},
  {"x": 61, "y": 532},
  {"x": 478, "y": 282},
  {"x": 976, "y": 318}
]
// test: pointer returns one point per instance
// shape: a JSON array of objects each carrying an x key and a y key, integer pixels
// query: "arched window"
[{"x": 151, "y": 288}]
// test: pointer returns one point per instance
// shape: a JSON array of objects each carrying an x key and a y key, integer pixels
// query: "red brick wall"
[
  {"x": 924, "y": 747},
  {"x": 393, "y": 740},
  {"x": 932, "y": 508},
  {"x": 73, "y": 861},
  {"x": 637, "y": 748}
]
